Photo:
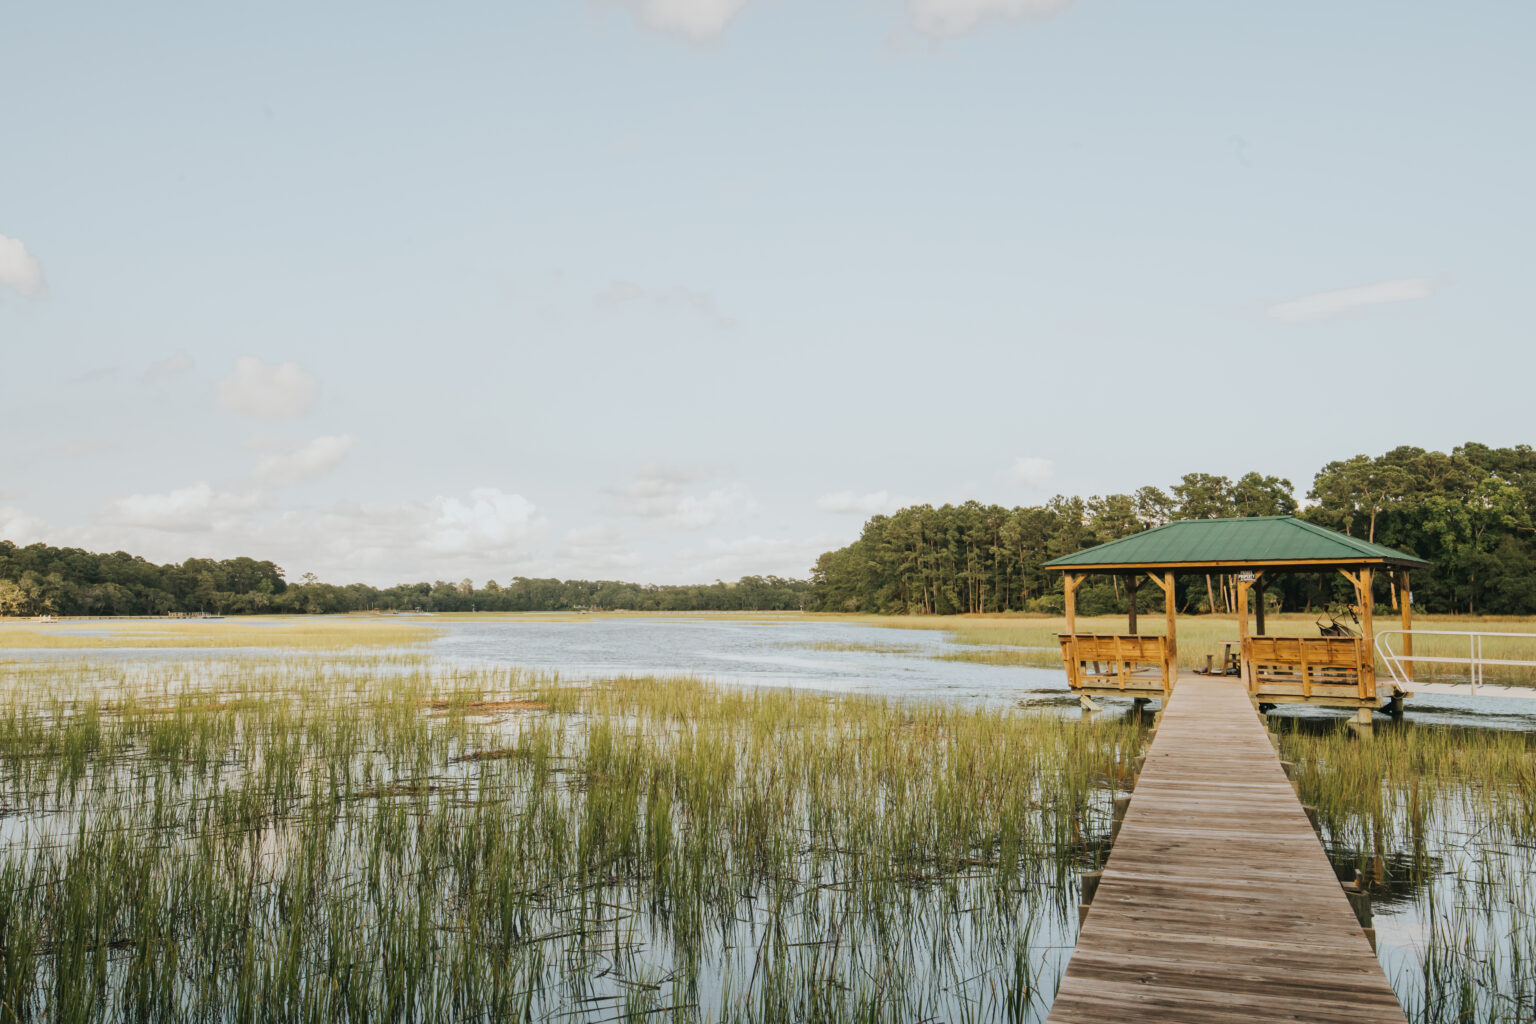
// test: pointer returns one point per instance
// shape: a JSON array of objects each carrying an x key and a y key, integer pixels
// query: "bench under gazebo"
[{"x": 1337, "y": 671}]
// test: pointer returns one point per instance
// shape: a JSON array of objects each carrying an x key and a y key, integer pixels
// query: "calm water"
[{"x": 793, "y": 654}]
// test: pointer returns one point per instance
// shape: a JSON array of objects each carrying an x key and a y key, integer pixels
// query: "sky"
[{"x": 678, "y": 290}]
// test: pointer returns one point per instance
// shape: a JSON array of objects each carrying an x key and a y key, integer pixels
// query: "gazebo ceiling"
[{"x": 1257, "y": 542}]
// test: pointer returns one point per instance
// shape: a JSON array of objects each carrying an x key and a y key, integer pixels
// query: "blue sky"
[{"x": 672, "y": 290}]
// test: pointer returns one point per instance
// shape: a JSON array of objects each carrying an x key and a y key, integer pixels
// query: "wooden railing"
[
  {"x": 1309, "y": 666},
  {"x": 1129, "y": 663}
]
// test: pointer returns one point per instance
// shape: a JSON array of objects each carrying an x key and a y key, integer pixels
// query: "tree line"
[
  {"x": 42, "y": 580},
  {"x": 1469, "y": 513}
]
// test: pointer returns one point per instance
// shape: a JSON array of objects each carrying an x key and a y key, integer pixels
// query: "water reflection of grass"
[
  {"x": 1444, "y": 818},
  {"x": 322, "y": 838}
]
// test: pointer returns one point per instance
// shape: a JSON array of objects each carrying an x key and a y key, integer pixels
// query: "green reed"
[
  {"x": 1444, "y": 821},
  {"x": 382, "y": 838}
]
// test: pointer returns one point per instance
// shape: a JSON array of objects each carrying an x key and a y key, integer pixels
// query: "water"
[{"x": 885, "y": 662}]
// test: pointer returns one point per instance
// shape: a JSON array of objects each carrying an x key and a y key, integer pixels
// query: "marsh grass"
[
  {"x": 1441, "y": 824},
  {"x": 354, "y": 837},
  {"x": 288, "y": 632}
]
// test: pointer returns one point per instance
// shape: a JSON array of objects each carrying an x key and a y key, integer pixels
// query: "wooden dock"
[{"x": 1217, "y": 902}]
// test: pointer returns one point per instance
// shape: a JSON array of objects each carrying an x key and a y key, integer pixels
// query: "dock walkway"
[{"x": 1217, "y": 902}]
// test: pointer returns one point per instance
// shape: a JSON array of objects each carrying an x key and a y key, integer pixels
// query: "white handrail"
[{"x": 1474, "y": 659}]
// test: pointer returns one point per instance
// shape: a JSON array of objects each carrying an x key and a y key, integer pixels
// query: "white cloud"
[
  {"x": 20, "y": 270},
  {"x": 1324, "y": 305},
  {"x": 176, "y": 362},
  {"x": 956, "y": 17},
  {"x": 199, "y": 507},
  {"x": 267, "y": 390},
  {"x": 490, "y": 519},
  {"x": 1031, "y": 471},
  {"x": 697, "y": 20},
  {"x": 873, "y": 503},
  {"x": 657, "y": 493},
  {"x": 317, "y": 457},
  {"x": 18, "y": 527}
]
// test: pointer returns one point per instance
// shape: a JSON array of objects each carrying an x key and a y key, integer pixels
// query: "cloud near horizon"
[
  {"x": 315, "y": 458},
  {"x": 197, "y": 508},
  {"x": 873, "y": 503},
  {"x": 656, "y": 494}
]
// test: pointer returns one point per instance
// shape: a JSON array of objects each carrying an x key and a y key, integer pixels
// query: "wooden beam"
[
  {"x": 1258, "y": 609},
  {"x": 1405, "y": 608},
  {"x": 1132, "y": 584},
  {"x": 1069, "y": 584}
]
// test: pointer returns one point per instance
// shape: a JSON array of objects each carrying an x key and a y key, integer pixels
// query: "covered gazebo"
[{"x": 1339, "y": 671}]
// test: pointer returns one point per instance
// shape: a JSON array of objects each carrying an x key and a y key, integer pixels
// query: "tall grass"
[
  {"x": 287, "y": 632},
  {"x": 1441, "y": 825},
  {"x": 354, "y": 837}
]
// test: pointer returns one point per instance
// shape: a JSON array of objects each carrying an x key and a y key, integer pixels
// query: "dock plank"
[{"x": 1217, "y": 903}]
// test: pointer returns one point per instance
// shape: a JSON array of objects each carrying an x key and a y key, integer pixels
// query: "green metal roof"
[{"x": 1265, "y": 540}]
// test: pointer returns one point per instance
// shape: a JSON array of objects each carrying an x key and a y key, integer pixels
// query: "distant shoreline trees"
[
  {"x": 41, "y": 580},
  {"x": 1470, "y": 513}
]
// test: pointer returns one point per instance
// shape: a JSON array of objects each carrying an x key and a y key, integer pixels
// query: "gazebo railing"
[
  {"x": 1308, "y": 666},
  {"x": 1128, "y": 663}
]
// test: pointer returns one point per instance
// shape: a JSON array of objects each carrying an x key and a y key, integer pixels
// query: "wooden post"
[
  {"x": 1258, "y": 609},
  {"x": 1069, "y": 584},
  {"x": 1405, "y": 608},
  {"x": 1242, "y": 631},
  {"x": 1367, "y": 665},
  {"x": 1170, "y": 612},
  {"x": 1131, "y": 586}
]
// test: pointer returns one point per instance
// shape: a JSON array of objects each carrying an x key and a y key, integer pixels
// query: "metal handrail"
[{"x": 1474, "y": 658}]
